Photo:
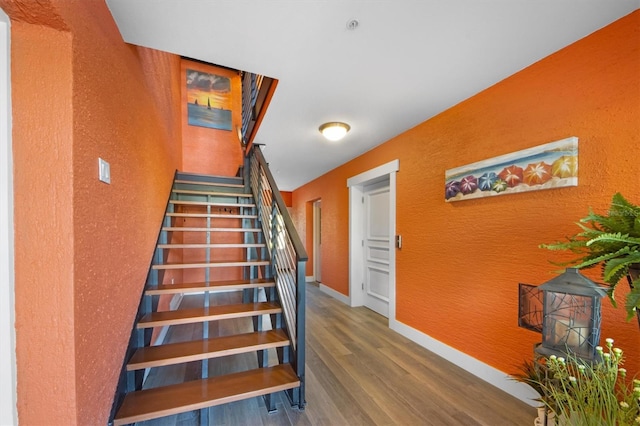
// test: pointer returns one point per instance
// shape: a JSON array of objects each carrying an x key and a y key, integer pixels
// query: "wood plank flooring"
[{"x": 358, "y": 373}]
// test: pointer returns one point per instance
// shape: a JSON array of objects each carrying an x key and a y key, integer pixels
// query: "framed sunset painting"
[
  {"x": 548, "y": 166},
  {"x": 208, "y": 100}
]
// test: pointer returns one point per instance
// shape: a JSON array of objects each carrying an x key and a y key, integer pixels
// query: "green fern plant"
[{"x": 611, "y": 241}]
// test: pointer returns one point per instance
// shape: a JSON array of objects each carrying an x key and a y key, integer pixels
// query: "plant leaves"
[
  {"x": 617, "y": 237},
  {"x": 596, "y": 258},
  {"x": 615, "y": 269},
  {"x": 633, "y": 300},
  {"x": 611, "y": 240}
]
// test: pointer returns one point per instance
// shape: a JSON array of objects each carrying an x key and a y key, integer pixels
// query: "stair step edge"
[
  {"x": 211, "y": 264},
  {"x": 193, "y": 229},
  {"x": 188, "y": 316},
  {"x": 210, "y": 203},
  {"x": 209, "y": 179},
  {"x": 203, "y": 286},
  {"x": 184, "y": 181},
  {"x": 197, "y": 350},
  {"x": 214, "y": 215},
  {"x": 197, "y": 245},
  {"x": 212, "y": 193},
  {"x": 194, "y": 395}
]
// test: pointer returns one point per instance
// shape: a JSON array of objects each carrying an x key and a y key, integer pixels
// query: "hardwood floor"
[{"x": 359, "y": 372}]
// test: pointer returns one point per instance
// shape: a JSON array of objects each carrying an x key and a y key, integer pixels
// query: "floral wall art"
[{"x": 548, "y": 166}]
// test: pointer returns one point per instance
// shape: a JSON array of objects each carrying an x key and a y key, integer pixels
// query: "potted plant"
[
  {"x": 611, "y": 240},
  {"x": 580, "y": 392},
  {"x": 586, "y": 393}
]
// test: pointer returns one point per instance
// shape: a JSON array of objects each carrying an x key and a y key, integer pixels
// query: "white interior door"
[{"x": 376, "y": 246}]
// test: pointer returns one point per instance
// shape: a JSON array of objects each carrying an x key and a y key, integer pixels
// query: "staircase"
[{"x": 213, "y": 240}]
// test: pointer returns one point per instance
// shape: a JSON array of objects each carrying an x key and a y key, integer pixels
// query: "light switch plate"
[{"x": 104, "y": 171}]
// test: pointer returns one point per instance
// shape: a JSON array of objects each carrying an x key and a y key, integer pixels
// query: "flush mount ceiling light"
[{"x": 335, "y": 130}]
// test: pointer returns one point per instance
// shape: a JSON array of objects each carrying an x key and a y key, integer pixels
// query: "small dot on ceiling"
[{"x": 352, "y": 24}]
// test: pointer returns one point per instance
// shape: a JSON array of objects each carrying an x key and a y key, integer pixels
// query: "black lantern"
[{"x": 571, "y": 315}]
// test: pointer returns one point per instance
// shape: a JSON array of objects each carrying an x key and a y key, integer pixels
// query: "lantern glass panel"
[
  {"x": 569, "y": 324},
  {"x": 530, "y": 307}
]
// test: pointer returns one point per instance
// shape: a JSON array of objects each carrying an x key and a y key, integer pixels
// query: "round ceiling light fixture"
[{"x": 334, "y": 130}]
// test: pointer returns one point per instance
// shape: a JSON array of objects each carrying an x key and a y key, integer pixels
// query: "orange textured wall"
[
  {"x": 307, "y": 234},
  {"x": 287, "y": 197},
  {"x": 83, "y": 248},
  {"x": 44, "y": 248},
  {"x": 211, "y": 151},
  {"x": 332, "y": 190},
  {"x": 460, "y": 265}
]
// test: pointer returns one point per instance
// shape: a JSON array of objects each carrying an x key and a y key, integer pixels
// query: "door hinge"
[
  {"x": 363, "y": 286},
  {"x": 362, "y": 243},
  {"x": 362, "y": 200}
]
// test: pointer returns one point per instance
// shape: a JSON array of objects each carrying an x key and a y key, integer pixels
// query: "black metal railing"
[
  {"x": 256, "y": 90},
  {"x": 288, "y": 258}
]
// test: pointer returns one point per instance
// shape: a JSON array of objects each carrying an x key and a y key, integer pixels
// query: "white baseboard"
[
  {"x": 489, "y": 374},
  {"x": 173, "y": 305},
  {"x": 335, "y": 294},
  {"x": 310, "y": 278},
  {"x": 479, "y": 369},
  {"x": 175, "y": 301}
]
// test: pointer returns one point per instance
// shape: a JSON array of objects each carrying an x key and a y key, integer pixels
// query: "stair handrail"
[
  {"x": 288, "y": 257},
  {"x": 291, "y": 229}
]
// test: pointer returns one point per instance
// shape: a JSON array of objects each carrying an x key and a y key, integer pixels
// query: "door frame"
[
  {"x": 356, "y": 186},
  {"x": 8, "y": 413},
  {"x": 317, "y": 240}
]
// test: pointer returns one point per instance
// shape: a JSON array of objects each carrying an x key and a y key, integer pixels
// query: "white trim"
[
  {"x": 356, "y": 251},
  {"x": 317, "y": 254},
  {"x": 310, "y": 278},
  {"x": 174, "y": 304},
  {"x": 392, "y": 243},
  {"x": 384, "y": 169},
  {"x": 159, "y": 340},
  {"x": 175, "y": 301},
  {"x": 8, "y": 392},
  {"x": 335, "y": 294},
  {"x": 356, "y": 211},
  {"x": 479, "y": 369}
]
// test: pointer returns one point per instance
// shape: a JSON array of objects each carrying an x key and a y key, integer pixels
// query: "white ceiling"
[{"x": 407, "y": 61}]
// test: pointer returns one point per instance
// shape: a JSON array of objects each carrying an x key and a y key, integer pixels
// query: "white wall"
[{"x": 8, "y": 414}]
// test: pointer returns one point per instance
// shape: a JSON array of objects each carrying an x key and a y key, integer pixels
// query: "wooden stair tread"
[
  {"x": 187, "y": 316},
  {"x": 215, "y": 215},
  {"x": 212, "y": 285},
  {"x": 204, "y": 183},
  {"x": 212, "y": 193},
  {"x": 192, "y": 229},
  {"x": 197, "y": 394},
  {"x": 196, "y": 350},
  {"x": 189, "y": 246},
  {"x": 210, "y": 203},
  {"x": 219, "y": 264}
]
